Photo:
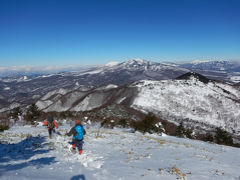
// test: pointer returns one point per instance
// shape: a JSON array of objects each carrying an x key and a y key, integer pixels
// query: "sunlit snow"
[{"x": 27, "y": 153}]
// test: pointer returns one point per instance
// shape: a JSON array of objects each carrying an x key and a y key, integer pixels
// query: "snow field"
[{"x": 27, "y": 153}]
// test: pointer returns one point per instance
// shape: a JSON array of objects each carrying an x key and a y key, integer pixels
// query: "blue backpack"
[{"x": 80, "y": 133}]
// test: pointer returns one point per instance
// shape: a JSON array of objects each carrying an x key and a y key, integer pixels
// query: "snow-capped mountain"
[
  {"x": 136, "y": 69},
  {"x": 28, "y": 89},
  {"x": 228, "y": 71},
  {"x": 228, "y": 66},
  {"x": 191, "y": 98}
]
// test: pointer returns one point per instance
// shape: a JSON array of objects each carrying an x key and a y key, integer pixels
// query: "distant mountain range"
[
  {"x": 15, "y": 90},
  {"x": 227, "y": 66},
  {"x": 227, "y": 71},
  {"x": 171, "y": 91},
  {"x": 222, "y": 70},
  {"x": 28, "y": 89},
  {"x": 22, "y": 90}
]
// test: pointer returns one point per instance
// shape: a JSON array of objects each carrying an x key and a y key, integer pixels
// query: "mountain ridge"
[{"x": 196, "y": 103}]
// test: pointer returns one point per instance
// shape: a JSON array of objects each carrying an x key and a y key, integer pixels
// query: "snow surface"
[
  {"x": 26, "y": 153},
  {"x": 213, "y": 103}
]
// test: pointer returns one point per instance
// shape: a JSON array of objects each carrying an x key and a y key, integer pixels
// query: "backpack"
[
  {"x": 79, "y": 133},
  {"x": 51, "y": 124}
]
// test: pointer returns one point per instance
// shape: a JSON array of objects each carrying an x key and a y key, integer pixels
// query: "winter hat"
[
  {"x": 77, "y": 121},
  {"x": 50, "y": 118}
]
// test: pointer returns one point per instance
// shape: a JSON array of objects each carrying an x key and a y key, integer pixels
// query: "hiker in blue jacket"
[{"x": 78, "y": 133}]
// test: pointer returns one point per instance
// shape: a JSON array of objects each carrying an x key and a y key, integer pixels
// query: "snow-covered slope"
[
  {"x": 192, "y": 101},
  {"x": 27, "y": 153},
  {"x": 54, "y": 92}
]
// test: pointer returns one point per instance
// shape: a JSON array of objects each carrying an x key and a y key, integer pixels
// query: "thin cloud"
[{"x": 26, "y": 70}]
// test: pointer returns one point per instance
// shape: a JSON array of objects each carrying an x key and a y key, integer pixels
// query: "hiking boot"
[
  {"x": 80, "y": 151},
  {"x": 73, "y": 150}
]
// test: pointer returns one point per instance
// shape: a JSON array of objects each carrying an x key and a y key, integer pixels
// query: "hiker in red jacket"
[{"x": 51, "y": 124}]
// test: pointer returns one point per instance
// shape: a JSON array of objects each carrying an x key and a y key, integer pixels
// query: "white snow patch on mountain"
[
  {"x": 43, "y": 104},
  {"x": 110, "y": 64},
  {"x": 66, "y": 103},
  {"x": 96, "y": 71},
  {"x": 90, "y": 102},
  {"x": 121, "y": 100},
  {"x": 10, "y": 107},
  {"x": 235, "y": 79},
  {"x": 200, "y": 61},
  {"x": 110, "y": 86},
  {"x": 46, "y": 76},
  {"x": 58, "y": 91},
  {"x": 77, "y": 83}
]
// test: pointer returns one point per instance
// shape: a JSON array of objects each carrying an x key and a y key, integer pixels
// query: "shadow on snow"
[
  {"x": 21, "y": 151},
  {"x": 78, "y": 177}
]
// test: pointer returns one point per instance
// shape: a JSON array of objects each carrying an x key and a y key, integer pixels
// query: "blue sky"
[{"x": 73, "y": 32}]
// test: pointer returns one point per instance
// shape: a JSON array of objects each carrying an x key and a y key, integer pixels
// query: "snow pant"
[
  {"x": 77, "y": 144},
  {"x": 50, "y": 130}
]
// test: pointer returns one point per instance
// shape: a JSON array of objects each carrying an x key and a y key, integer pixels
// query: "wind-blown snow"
[{"x": 27, "y": 153}]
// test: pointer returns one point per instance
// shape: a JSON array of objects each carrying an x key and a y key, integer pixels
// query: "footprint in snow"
[{"x": 87, "y": 159}]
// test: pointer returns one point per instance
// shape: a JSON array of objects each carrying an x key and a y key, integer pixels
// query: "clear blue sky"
[{"x": 57, "y": 32}]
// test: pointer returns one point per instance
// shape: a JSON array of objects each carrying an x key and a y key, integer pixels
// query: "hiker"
[
  {"x": 51, "y": 124},
  {"x": 78, "y": 132}
]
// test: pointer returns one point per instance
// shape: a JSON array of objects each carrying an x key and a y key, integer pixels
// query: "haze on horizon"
[{"x": 61, "y": 32}]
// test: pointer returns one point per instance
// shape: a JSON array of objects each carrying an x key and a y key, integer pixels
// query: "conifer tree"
[
  {"x": 223, "y": 137},
  {"x": 17, "y": 111},
  {"x": 32, "y": 113},
  {"x": 180, "y": 130}
]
